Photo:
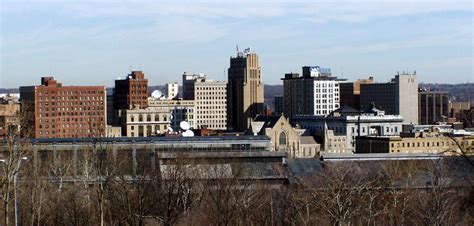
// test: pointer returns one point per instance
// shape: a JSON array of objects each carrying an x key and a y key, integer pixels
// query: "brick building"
[
  {"x": 63, "y": 111},
  {"x": 131, "y": 92}
]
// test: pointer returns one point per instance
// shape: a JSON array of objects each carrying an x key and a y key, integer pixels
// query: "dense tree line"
[{"x": 388, "y": 193}]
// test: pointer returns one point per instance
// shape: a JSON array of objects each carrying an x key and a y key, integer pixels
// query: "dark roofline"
[{"x": 149, "y": 139}]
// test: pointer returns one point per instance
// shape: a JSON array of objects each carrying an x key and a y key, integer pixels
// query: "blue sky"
[{"x": 95, "y": 41}]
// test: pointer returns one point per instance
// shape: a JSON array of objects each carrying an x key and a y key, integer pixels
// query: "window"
[{"x": 282, "y": 138}]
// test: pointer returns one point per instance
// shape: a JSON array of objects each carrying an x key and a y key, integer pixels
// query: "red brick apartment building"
[{"x": 64, "y": 111}]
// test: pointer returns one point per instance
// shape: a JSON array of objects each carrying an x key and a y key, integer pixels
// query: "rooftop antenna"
[{"x": 237, "y": 47}]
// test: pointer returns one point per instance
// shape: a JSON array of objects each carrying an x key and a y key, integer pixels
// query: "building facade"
[
  {"x": 131, "y": 92},
  {"x": 284, "y": 137},
  {"x": 10, "y": 117},
  {"x": 417, "y": 144},
  {"x": 314, "y": 93},
  {"x": 188, "y": 84},
  {"x": 57, "y": 111},
  {"x": 244, "y": 90},
  {"x": 349, "y": 123},
  {"x": 278, "y": 104},
  {"x": 145, "y": 122},
  {"x": 433, "y": 107},
  {"x": 180, "y": 110},
  {"x": 210, "y": 101},
  {"x": 172, "y": 90},
  {"x": 398, "y": 97}
]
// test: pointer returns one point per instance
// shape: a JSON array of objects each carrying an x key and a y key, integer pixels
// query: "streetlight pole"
[
  {"x": 15, "y": 178},
  {"x": 15, "y": 181}
]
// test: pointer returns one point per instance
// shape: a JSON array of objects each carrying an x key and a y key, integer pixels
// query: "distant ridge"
[{"x": 457, "y": 92}]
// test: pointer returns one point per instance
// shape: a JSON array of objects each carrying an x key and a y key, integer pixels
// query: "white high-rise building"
[
  {"x": 172, "y": 90},
  {"x": 314, "y": 93}
]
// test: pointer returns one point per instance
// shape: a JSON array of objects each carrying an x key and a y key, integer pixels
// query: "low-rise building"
[
  {"x": 180, "y": 110},
  {"x": 113, "y": 131},
  {"x": 9, "y": 115},
  {"x": 348, "y": 123},
  {"x": 416, "y": 143},
  {"x": 145, "y": 122},
  {"x": 285, "y": 137}
]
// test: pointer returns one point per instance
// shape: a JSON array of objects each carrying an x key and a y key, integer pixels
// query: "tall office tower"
[
  {"x": 210, "y": 101},
  {"x": 433, "y": 107},
  {"x": 244, "y": 90},
  {"x": 278, "y": 104},
  {"x": 188, "y": 84},
  {"x": 172, "y": 90},
  {"x": 314, "y": 93},
  {"x": 131, "y": 92},
  {"x": 63, "y": 111},
  {"x": 397, "y": 97}
]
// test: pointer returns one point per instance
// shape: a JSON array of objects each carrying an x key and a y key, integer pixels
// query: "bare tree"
[{"x": 16, "y": 150}]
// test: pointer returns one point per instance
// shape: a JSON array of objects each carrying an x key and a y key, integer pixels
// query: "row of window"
[
  {"x": 211, "y": 107},
  {"x": 149, "y": 118},
  {"x": 211, "y": 88},
  {"x": 75, "y": 93},
  {"x": 68, "y": 113},
  {"x": 213, "y": 97},
  {"x": 211, "y": 116},
  {"x": 71, "y": 103},
  {"x": 335, "y": 90},
  {"x": 423, "y": 144},
  {"x": 99, "y": 108},
  {"x": 327, "y": 84},
  {"x": 68, "y": 131},
  {"x": 69, "y": 119}
]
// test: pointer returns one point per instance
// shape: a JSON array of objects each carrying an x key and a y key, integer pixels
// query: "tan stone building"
[
  {"x": 145, "y": 122},
  {"x": 180, "y": 110},
  {"x": 210, "y": 100},
  {"x": 284, "y": 137},
  {"x": 244, "y": 90},
  {"x": 9, "y": 116},
  {"x": 417, "y": 143}
]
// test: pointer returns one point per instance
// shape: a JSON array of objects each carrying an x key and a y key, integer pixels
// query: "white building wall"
[{"x": 326, "y": 97}]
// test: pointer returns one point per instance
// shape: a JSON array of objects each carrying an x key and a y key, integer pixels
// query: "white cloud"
[{"x": 315, "y": 11}]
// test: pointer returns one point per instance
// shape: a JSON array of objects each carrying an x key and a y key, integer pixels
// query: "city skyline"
[{"x": 94, "y": 42}]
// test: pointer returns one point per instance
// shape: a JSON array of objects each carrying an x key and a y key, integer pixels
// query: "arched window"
[
  {"x": 282, "y": 139},
  {"x": 140, "y": 118}
]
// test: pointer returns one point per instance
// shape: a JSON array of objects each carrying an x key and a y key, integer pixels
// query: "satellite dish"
[
  {"x": 188, "y": 133},
  {"x": 156, "y": 94},
  {"x": 184, "y": 125}
]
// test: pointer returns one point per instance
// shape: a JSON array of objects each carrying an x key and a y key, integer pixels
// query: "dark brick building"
[
  {"x": 131, "y": 92},
  {"x": 57, "y": 111},
  {"x": 433, "y": 107}
]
